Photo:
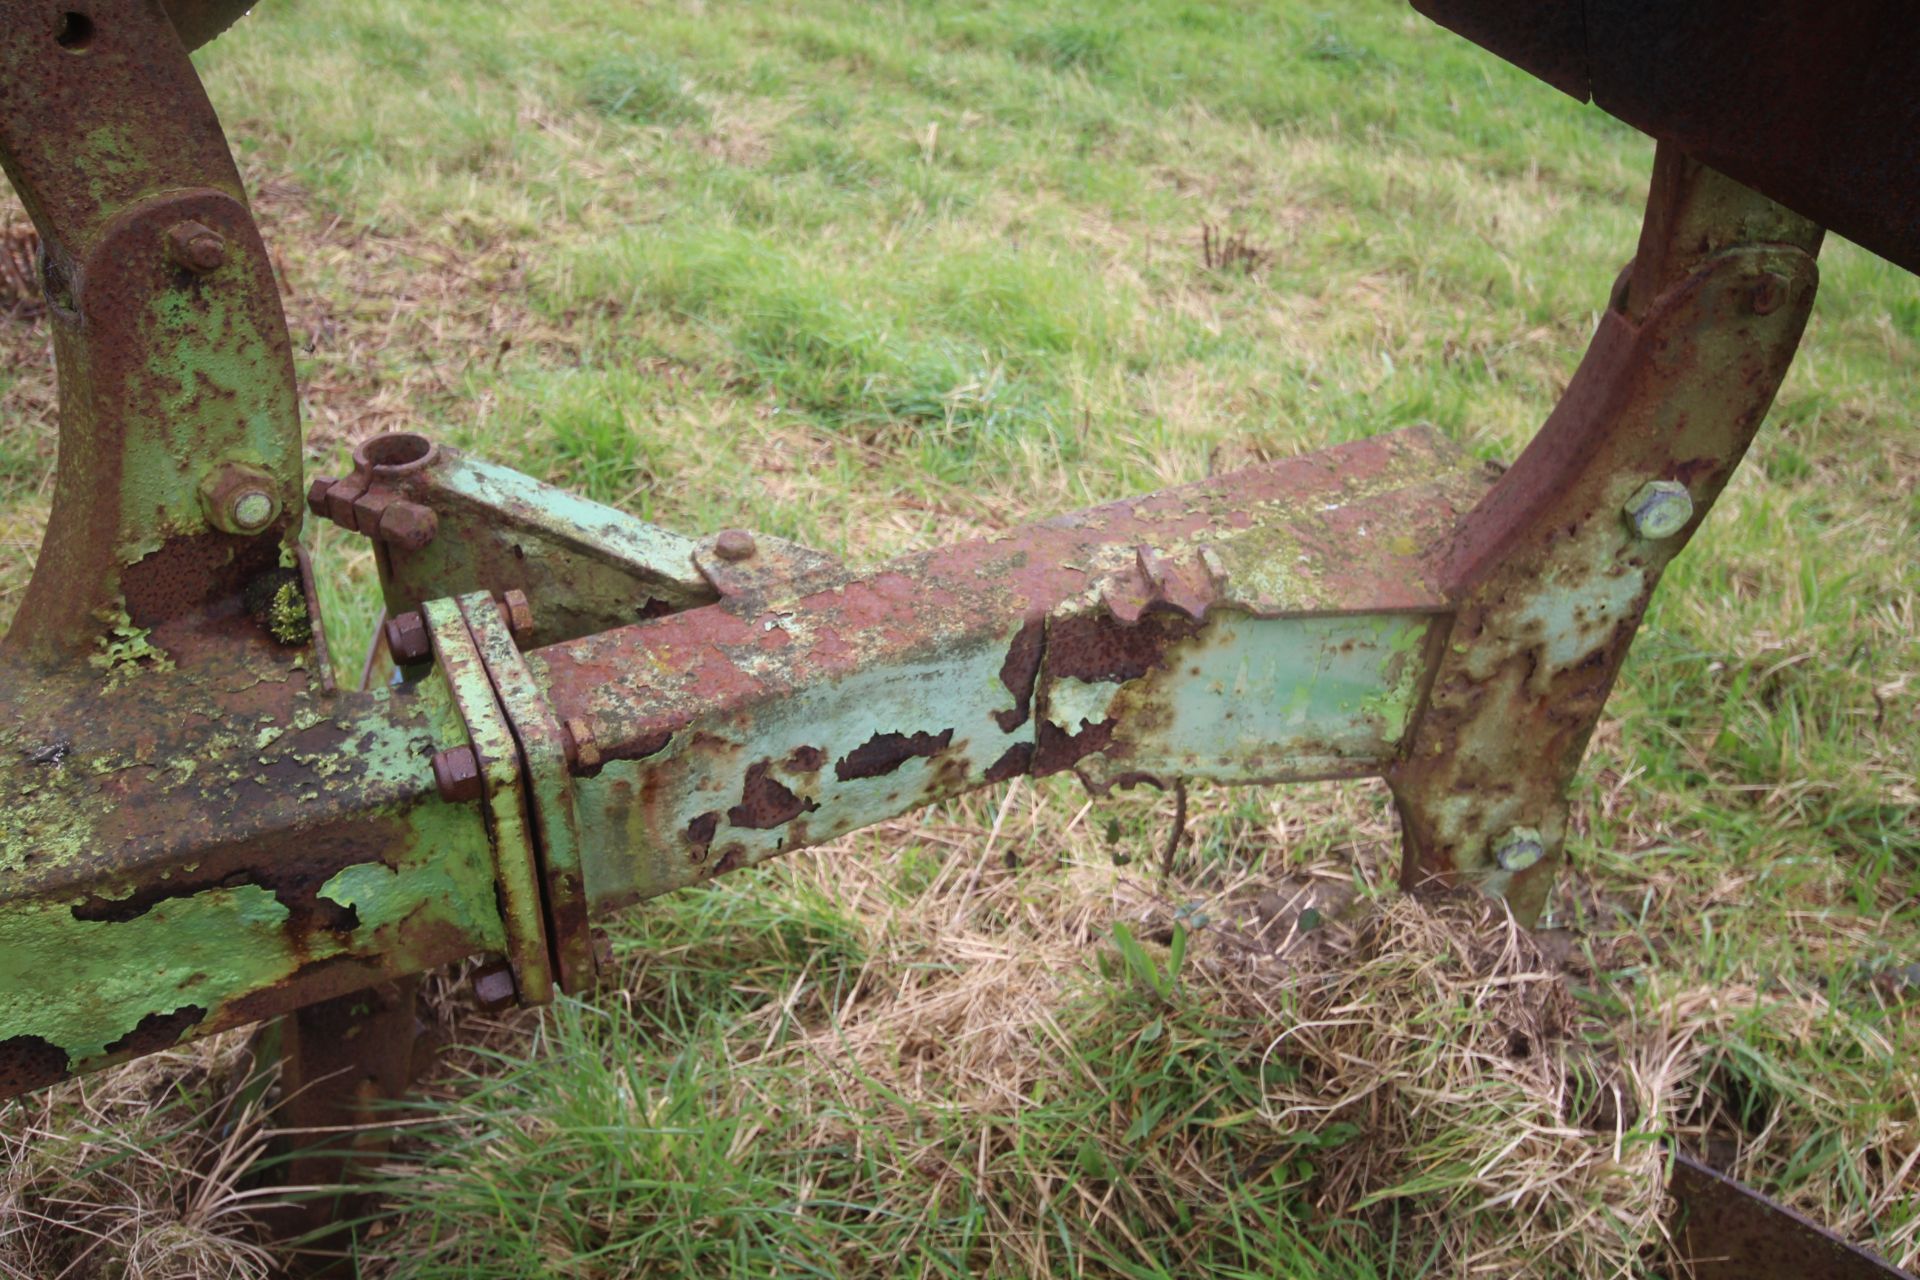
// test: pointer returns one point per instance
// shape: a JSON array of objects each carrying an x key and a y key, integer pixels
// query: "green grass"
[{"x": 873, "y": 277}]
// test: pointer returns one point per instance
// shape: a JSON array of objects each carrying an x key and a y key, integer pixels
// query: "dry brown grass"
[
  {"x": 137, "y": 1173},
  {"x": 1511, "y": 1129},
  {"x": 1439, "y": 1031}
]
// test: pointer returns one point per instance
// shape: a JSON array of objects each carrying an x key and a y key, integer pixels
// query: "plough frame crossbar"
[{"x": 569, "y": 710}]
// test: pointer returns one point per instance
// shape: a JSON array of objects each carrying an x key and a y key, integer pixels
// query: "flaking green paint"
[
  {"x": 1268, "y": 699},
  {"x": 626, "y": 857},
  {"x": 380, "y": 896},
  {"x": 83, "y": 984}
]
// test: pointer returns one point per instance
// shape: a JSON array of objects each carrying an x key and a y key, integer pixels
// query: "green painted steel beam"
[
  {"x": 185, "y": 852},
  {"x": 1270, "y": 625}
]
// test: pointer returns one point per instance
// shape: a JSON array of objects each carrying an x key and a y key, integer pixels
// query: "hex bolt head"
[
  {"x": 1659, "y": 509},
  {"x": 1769, "y": 292},
  {"x": 456, "y": 772},
  {"x": 518, "y": 612},
  {"x": 407, "y": 639},
  {"x": 317, "y": 495},
  {"x": 407, "y": 524},
  {"x": 493, "y": 986},
  {"x": 1519, "y": 849},
  {"x": 196, "y": 247},
  {"x": 734, "y": 545},
  {"x": 253, "y": 509}
]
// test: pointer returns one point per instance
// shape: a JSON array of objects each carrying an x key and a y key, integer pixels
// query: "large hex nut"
[{"x": 408, "y": 524}]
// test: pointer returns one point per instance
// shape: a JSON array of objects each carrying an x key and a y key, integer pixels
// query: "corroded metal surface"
[
  {"x": 1816, "y": 105},
  {"x": 189, "y": 849},
  {"x": 493, "y": 529},
  {"x": 196, "y": 829},
  {"x": 1723, "y": 1230},
  {"x": 1550, "y": 574},
  {"x": 345, "y": 1064},
  {"x": 199, "y": 21},
  {"x": 173, "y": 355},
  {"x": 1268, "y": 625}
]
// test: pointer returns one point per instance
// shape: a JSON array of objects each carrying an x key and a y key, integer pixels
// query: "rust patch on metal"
[
  {"x": 1054, "y": 749},
  {"x": 294, "y": 878},
  {"x": 1013, "y": 762},
  {"x": 186, "y": 572},
  {"x": 765, "y": 801},
  {"x": 1724, "y": 1230},
  {"x": 884, "y": 752},
  {"x": 30, "y": 1062},
  {"x": 1550, "y": 577},
  {"x": 634, "y": 748},
  {"x": 700, "y": 833},
  {"x": 806, "y": 759},
  {"x": 1094, "y": 647},
  {"x": 159, "y": 1031},
  {"x": 1019, "y": 672}
]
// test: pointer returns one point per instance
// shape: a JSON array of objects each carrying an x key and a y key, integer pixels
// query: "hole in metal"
[
  {"x": 394, "y": 452},
  {"x": 75, "y": 33}
]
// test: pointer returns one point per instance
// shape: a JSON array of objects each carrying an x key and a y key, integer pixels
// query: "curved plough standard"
[{"x": 200, "y": 830}]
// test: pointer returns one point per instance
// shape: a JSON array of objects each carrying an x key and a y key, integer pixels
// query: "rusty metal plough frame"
[{"x": 198, "y": 830}]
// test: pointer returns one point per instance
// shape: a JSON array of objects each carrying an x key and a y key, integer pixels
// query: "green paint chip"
[{"x": 370, "y": 889}]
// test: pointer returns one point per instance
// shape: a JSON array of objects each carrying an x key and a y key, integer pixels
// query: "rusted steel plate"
[
  {"x": 1816, "y": 105},
  {"x": 543, "y": 744},
  {"x": 491, "y": 528},
  {"x": 1266, "y": 625},
  {"x": 1554, "y": 570},
  {"x": 1724, "y": 1230},
  {"x": 457, "y": 661},
  {"x": 199, "y": 21},
  {"x": 1545, "y": 37},
  {"x": 345, "y": 1062}
]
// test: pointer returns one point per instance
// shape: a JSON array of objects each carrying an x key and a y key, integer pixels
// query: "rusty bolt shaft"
[
  {"x": 1771, "y": 290},
  {"x": 493, "y": 986},
  {"x": 582, "y": 751},
  {"x": 518, "y": 613},
  {"x": 1659, "y": 509},
  {"x": 317, "y": 495},
  {"x": 405, "y": 524},
  {"x": 1519, "y": 849},
  {"x": 239, "y": 498},
  {"x": 253, "y": 509}
]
